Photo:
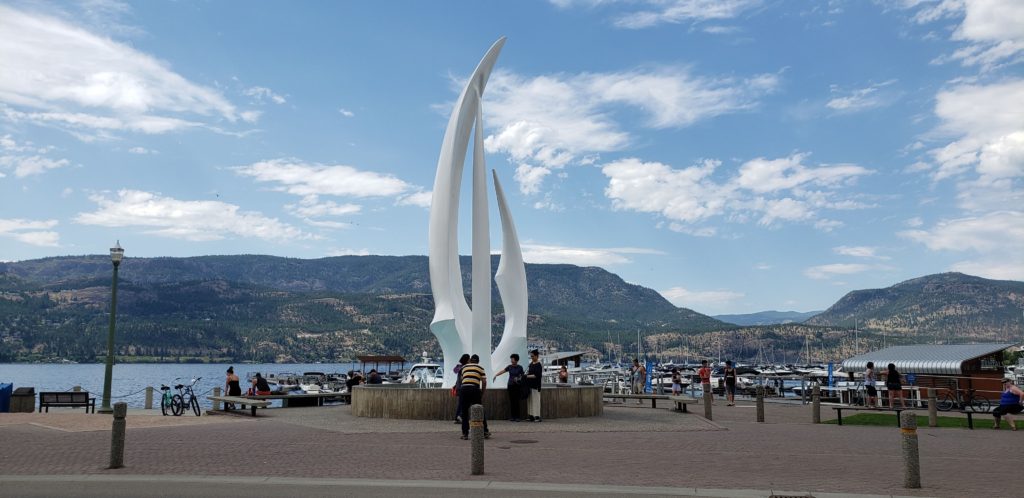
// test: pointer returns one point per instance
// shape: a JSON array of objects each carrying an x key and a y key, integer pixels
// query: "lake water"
[{"x": 130, "y": 379}]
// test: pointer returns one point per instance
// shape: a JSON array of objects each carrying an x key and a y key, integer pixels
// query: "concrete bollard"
[
  {"x": 117, "y": 435},
  {"x": 911, "y": 458},
  {"x": 933, "y": 408},
  {"x": 216, "y": 404},
  {"x": 816, "y": 404},
  {"x": 149, "y": 397},
  {"x": 760, "y": 403},
  {"x": 476, "y": 439},
  {"x": 709, "y": 399}
]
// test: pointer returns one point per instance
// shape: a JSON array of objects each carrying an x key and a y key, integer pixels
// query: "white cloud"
[
  {"x": 31, "y": 232},
  {"x": 581, "y": 256},
  {"x": 304, "y": 179},
  {"x": 859, "y": 252},
  {"x": 142, "y": 151},
  {"x": 348, "y": 252},
  {"x": 992, "y": 30},
  {"x": 61, "y": 75},
  {"x": 189, "y": 220},
  {"x": 914, "y": 222},
  {"x": 419, "y": 199},
  {"x": 772, "y": 190},
  {"x": 347, "y": 113},
  {"x": 261, "y": 94},
  {"x": 996, "y": 238},
  {"x": 823, "y": 272},
  {"x": 649, "y": 13},
  {"x": 311, "y": 207},
  {"x": 548, "y": 122},
  {"x": 27, "y": 164},
  {"x": 715, "y": 299},
  {"x": 861, "y": 99}
]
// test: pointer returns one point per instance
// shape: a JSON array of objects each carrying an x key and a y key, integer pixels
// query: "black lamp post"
[{"x": 116, "y": 253}]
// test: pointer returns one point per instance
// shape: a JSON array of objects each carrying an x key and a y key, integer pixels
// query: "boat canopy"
[{"x": 946, "y": 359}]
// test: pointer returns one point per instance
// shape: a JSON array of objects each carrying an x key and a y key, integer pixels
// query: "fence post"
[
  {"x": 117, "y": 435},
  {"x": 216, "y": 404},
  {"x": 708, "y": 400},
  {"x": 760, "y": 403},
  {"x": 149, "y": 397},
  {"x": 476, "y": 439},
  {"x": 816, "y": 404},
  {"x": 933, "y": 408},
  {"x": 911, "y": 458}
]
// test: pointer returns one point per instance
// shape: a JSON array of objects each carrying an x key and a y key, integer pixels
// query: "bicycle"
[
  {"x": 167, "y": 402},
  {"x": 972, "y": 401},
  {"x": 180, "y": 405}
]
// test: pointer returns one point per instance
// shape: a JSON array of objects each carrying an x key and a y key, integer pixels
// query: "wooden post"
[
  {"x": 117, "y": 435},
  {"x": 216, "y": 404},
  {"x": 760, "y": 403},
  {"x": 933, "y": 408},
  {"x": 911, "y": 458},
  {"x": 149, "y": 397},
  {"x": 816, "y": 404},
  {"x": 476, "y": 439}
]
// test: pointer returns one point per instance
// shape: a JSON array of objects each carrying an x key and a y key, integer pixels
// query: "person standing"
[
  {"x": 474, "y": 384},
  {"x": 231, "y": 387},
  {"x": 730, "y": 383},
  {"x": 704, "y": 372},
  {"x": 516, "y": 376},
  {"x": 463, "y": 360},
  {"x": 639, "y": 378},
  {"x": 534, "y": 379},
  {"x": 677, "y": 382},
  {"x": 894, "y": 385},
  {"x": 1009, "y": 404},
  {"x": 869, "y": 384}
]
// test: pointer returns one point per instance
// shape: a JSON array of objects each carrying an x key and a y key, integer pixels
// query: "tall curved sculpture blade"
[
  {"x": 452, "y": 323},
  {"x": 511, "y": 280}
]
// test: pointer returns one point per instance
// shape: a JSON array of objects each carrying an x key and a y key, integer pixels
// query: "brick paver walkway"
[{"x": 627, "y": 446}]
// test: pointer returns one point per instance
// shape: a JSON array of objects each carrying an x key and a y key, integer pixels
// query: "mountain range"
[
  {"x": 767, "y": 317},
  {"x": 265, "y": 308}
]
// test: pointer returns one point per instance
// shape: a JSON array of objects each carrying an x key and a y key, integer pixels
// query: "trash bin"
[
  {"x": 5, "y": 397},
  {"x": 23, "y": 400}
]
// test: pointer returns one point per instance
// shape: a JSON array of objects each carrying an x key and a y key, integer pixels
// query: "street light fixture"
[{"x": 116, "y": 253}]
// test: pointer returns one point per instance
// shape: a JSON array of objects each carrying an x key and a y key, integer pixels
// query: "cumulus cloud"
[
  {"x": 770, "y": 190},
  {"x": 301, "y": 178},
  {"x": 715, "y": 299},
  {"x": 347, "y": 113},
  {"x": 419, "y": 199},
  {"x": 995, "y": 239},
  {"x": 59, "y": 74},
  {"x": 547, "y": 122},
  {"x": 189, "y": 220},
  {"x": 581, "y": 256},
  {"x": 859, "y": 252},
  {"x": 262, "y": 94},
  {"x": 992, "y": 31},
  {"x": 26, "y": 159},
  {"x": 33, "y": 232}
]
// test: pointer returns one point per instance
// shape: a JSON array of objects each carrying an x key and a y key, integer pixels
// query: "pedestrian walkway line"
[{"x": 566, "y": 489}]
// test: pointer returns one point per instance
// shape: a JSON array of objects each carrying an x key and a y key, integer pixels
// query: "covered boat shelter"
[
  {"x": 942, "y": 367},
  {"x": 563, "y": 358}
]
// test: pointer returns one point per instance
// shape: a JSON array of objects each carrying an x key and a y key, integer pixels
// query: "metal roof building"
[{"x": 926, "y": 359}]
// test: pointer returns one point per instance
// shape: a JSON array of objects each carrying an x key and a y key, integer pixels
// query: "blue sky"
[{"x": 735, "y": 155}]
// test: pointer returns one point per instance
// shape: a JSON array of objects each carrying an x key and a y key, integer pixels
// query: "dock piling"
[
  {"x": 476, "y": 439},
  {"x": 149, "y": 397},
  {"x": 117, "y": 435},
  {"x": 911, "y": 458}
]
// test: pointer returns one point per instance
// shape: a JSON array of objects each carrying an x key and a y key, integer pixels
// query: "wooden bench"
[
  {"x": 839, "y": 412},
  {"x": 682, "y": 401},
  {"x": 653, "y": 397},
  {"x": 315, "y": 399},
  {"x": 70, "y": 398},
  {"x": 241, "y": 401}
]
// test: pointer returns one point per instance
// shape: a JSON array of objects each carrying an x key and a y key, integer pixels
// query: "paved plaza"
[{"x": 631, "y": 449}]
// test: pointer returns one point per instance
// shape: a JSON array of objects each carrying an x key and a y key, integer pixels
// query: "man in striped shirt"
[{"x": 474, "y": 382}]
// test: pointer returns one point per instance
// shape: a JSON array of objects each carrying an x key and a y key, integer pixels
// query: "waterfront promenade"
[{"x": 629, "y": 450}]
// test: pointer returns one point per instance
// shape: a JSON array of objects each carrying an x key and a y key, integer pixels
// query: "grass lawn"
[{"x": 981, "y": 421}]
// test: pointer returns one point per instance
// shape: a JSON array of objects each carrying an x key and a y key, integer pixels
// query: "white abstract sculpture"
[{"x": 460, "y": 329}]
